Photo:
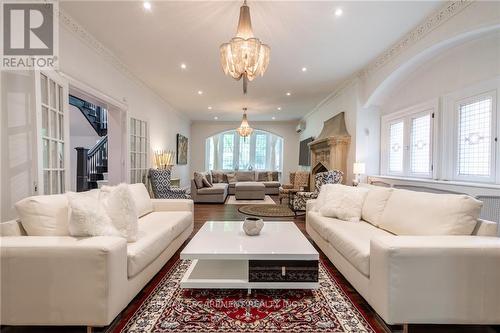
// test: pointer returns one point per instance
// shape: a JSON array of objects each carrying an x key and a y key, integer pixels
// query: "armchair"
[
  {"x": 161, "y": 185},
  {"x": 329, "y": 177},
  {"x": 297, "y": 180}
]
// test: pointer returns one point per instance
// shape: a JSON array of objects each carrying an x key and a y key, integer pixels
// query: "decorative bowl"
[{"x": 252, "y": 226}]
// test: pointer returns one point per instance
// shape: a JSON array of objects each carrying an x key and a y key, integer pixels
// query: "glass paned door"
[{"x": 52, "y": 132}]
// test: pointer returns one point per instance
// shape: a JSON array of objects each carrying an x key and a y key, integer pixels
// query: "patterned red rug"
[{"x": 165, "y": 307}]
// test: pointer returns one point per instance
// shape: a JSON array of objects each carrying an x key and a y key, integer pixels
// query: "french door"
[{"x": 52, "y": 134}]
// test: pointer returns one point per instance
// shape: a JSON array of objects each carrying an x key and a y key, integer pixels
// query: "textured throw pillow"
[
  {"x": 231, "y": 178},
  {"x": 88, "y": 217},
  {"x": 120, "y": 208},
  {"x": 44, "y": 215},
  {"x": 343, "y": 202},
  {"x": 218, "y": 177},
  {"x": 275, "y": 175},
  {"x": 263, "y": 177},
  {"x": 209, "y": 177},
  {"x": 206, "y": 182},
  {"x": 198, "y": 179}
]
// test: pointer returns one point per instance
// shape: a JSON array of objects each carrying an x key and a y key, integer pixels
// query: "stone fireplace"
[{"x": 329, "y": 149}]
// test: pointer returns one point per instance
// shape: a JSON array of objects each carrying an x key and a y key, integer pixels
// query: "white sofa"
[
  {"x": 64, "y": 280},
  {"x": 421, "y": 275}
]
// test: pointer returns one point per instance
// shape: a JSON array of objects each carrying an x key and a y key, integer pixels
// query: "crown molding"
[
  {"x": 79, "y": 31},
  {"x": 433, "y": 21}
]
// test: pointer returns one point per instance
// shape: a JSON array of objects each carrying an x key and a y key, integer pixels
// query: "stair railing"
[{"x": 88, "y": 161}]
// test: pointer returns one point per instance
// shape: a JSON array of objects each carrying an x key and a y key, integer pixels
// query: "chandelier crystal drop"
[
  {"x": 245, "y": 56},
  {"x": 244, "y": 130}
]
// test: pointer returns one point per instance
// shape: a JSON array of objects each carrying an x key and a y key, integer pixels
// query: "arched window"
[{"x": 229, "y": 151}]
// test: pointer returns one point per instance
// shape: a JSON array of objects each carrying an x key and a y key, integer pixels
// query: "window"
[
  {"x": 139, "y": 147},
  {"x": 407, "y": 137},
  {"x": 229, "y": 151},
  {"x": 475, "y": 137},
  {"x": 260, "y": 151}
]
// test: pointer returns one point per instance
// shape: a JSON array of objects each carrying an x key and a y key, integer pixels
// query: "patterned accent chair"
[
  {"x": 297, "y": 180},
  {"x": 162, "y": 189},
  {"x": 321, "y": 178}
]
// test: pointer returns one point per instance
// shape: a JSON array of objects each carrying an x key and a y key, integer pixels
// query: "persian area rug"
[
  {"x": 268, "y": 211},
  {"x": 267, "y": 201},
  {"x": 166, "y": 307}
]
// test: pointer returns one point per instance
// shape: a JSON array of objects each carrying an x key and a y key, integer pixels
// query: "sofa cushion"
[
  {"x": 271, "y": 184},
  {"x": 142, "y": 200},
  {"x": 198, "y": 179},
  {"x": 421, "y": 213},
  {"x": 343, "y": 202},
  {"x": 231, "y": 177},
  {"x": 375, "y": 202},
  {"x": 156, "y": 231},
  {"x": 44, "y": 215},
  {"x": 217, "y": 188},
  {"x": 245, "y": 176},
  {"x": 351, "y": 239}
]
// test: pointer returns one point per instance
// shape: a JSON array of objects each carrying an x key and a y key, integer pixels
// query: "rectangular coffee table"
[{"x": 224, "y": 257}]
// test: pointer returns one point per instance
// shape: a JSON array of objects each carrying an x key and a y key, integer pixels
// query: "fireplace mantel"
[{"x": 330, "y": 149}]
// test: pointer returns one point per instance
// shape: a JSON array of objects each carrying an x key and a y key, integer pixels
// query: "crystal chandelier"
[
  {"x": 244, "y": 56},
  {"x": 244, "y": 130}
]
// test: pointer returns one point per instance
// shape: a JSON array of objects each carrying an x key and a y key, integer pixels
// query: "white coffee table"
[{"x": 223, "y": 258}]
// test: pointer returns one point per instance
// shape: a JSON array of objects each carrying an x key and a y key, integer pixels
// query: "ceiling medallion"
[
  {"x": 244, "y": 130},
  {"x": 244, "y": 56}
]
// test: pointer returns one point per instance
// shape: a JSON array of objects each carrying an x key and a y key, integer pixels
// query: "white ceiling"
[{"x": 301, "y": 34}]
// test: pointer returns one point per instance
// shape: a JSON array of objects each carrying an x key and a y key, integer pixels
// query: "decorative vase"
[{"x": 252, "y": 226}]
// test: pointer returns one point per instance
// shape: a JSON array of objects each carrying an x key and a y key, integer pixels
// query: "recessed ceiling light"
[
  {"x": 288, "y": 93},
  {"x": 147, "y": 5},
  {"x": 210, "y": 108},
  {"x": 183, "y": 66},
  {"x": 279, "y": 108},
  {"x": 273, "y": 118},
  {"x": 215, "y": 118},
  {"x": 200, "y": 92},
  {"x": 339, "y": 12},
  {"x": 304, "y": 69}
]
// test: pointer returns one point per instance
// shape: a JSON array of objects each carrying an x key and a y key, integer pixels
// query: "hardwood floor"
[{"x": 214, "y": 212}]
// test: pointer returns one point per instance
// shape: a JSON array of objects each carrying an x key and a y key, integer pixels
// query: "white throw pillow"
[
  {"x": 375, "y": 202},
  {"x": 420, "y": 213},
  {"x": 120, "y": 208},
  {"x": 44, "y": 215},
  {"x": 87, "y": 216},
  {"x": 344, "y": 202},
  {"x": 141, "y": 197}
]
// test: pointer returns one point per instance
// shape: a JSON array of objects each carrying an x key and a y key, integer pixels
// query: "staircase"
[
  {"x": 92, "y": 163},
  {"x": 96, "y": 115}
]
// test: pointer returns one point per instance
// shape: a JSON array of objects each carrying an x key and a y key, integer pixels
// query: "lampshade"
[
  {"x": 164, "y": 159},
  {"x": 358, "y": 168}
]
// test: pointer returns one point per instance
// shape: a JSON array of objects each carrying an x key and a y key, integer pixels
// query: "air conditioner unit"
[{"x": 301, "y": 127}]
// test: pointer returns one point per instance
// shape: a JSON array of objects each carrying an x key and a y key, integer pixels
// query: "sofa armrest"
[
  {"x": 435, "y": 279},
  {"x": 162, "y": 205},
  {"x": 62, "y": 280},
  {"x": 310, "y": 205}
]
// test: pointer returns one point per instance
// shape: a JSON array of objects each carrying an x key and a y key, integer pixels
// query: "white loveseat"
[
  {"x": 432, "y": 272},
  {"x": 64, "y": 280}
]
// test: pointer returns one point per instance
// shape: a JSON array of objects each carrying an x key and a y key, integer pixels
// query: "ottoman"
[{"x": 249, "y": 191}]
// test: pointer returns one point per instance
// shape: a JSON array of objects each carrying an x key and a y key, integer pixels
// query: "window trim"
[{"x": 407, "y": 115}]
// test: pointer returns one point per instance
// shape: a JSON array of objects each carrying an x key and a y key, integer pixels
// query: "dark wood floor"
[{"x": 218, "y": 212}]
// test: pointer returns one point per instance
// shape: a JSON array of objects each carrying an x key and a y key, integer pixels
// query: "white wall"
[
  {"x": 83, "y": 63},
  {"x": 456, "y": 68},
  {"x": 201, "y": 130}
]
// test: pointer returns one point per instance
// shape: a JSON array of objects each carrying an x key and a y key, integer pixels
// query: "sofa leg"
[
  {"x": 89, "y": 329},
  {"x": 405, "y": 328}
]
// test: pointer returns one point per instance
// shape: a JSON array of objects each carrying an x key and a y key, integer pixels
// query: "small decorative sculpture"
[{"x": 252, "y": 226}]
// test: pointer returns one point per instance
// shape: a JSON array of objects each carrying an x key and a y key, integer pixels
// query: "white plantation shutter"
[
  {"x": 475, "y": 137},
  {"x": 396, "y": 147}
]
